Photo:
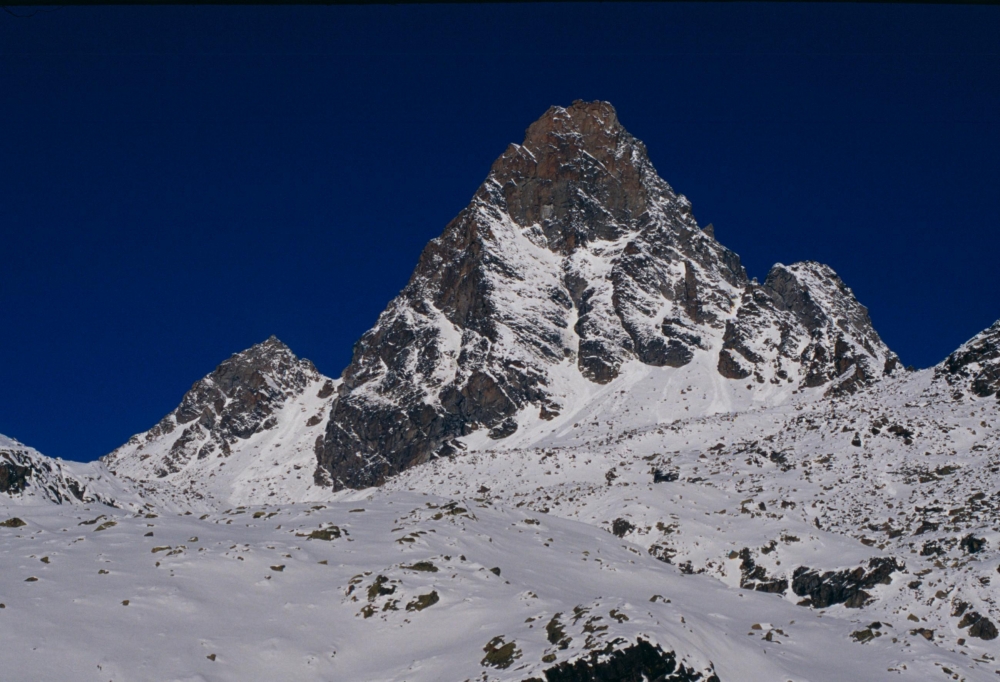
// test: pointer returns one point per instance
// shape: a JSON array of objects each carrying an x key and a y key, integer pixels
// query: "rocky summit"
[{"x": 581, "y": 444}]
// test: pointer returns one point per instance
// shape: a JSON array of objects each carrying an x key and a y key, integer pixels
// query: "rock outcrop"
[
  {"x": 975, "y": 365},
  {"x": 26, "y": 474},
  {"x": 804, "y": 325},
  {"x": 639, "y": 661}
]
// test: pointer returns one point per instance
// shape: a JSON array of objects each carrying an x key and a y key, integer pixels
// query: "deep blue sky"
[{"x": 178, "y": 183}]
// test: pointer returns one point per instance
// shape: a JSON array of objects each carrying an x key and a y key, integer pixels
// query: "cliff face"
[
  {"x": 804, "y": 326},
  {"x": 573, "y": 253}
]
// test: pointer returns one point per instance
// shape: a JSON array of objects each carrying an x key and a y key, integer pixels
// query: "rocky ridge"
[
  {"x": 221, "y": 443},
  {"x": 29, "y": 476},
  {"x": 975, "y": 366}
]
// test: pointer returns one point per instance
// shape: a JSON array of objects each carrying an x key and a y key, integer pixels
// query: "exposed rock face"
[
  {"x": 754, "y": 577},
  {"x": 633, "y": 663},
  {"x": 222, "y": 439},
  {"x": 842, "y": 587},
  {"x": 572, "y": 251},
  {"x": 13, "y": 475},
  {"x": 573, "y": 258},
  {"x": 804, "y": 322},
  {"x": 979, "y": 625},
  {"x": 25, "y": 471},
  {"x": 976, "y": 364}
]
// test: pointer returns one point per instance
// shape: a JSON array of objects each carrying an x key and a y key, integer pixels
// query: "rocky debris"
[
  {"x": 979, "y": 625},
  {"x": 504, "y": 429},
  {"x": 754, "y": 577},
  {"x": 329, "y": 533},
  {"x": 867, "y": 634},
  {"x": 662, "y": 552},
  {"x": 13, "y": 522},
  {"x": 621, "y": 527},
  {"x": 500, "y": 654},
  {"x": 660, "y": 476},
  {"x": 972, "y": 544},
  {"x": 421, "y": 566},
  {"x": 845, "y": 587},
  {"x": 976, "y": 364},
  {"x": 555, "y": 633},
  {"x": 381, "y": 587},
  {"x": 636, "y": 662},
  {"x": 422, "y": 601}
]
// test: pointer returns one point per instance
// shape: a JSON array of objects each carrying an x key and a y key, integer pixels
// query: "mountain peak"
[
  {"x": 580, "y": 176},
  {"x": 247, "y": 400},
  {"x": 252, "y": 368},
  {"x": 574, "y": 262},
  {"x": 272, "y": 345}
]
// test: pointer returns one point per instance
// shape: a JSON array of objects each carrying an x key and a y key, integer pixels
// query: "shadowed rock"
[{"x": 635, "y": 663}]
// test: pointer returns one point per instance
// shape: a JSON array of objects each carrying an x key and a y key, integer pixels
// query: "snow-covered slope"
[
  {"x": 401, "y": 586},
  {"x": 878, "y": 506},
  {"x": 573, "y": 262},
  {"x": 244, "y": 434}
]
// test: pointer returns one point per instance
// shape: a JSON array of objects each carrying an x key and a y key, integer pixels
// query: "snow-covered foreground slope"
[
  {"x": 776, "y": 534},
  {"x": 880, "y": 506},
  {"x": 395, "y": 586}
]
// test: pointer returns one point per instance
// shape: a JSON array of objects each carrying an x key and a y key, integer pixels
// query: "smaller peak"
[
  {"x": 978, "y": 362},
  {"x": 992, "y": 330},
  {"x": 988, "y": 336},
  {"x": 270, "y": 346},
  {"x": 809, "y": 265},
  {"x": 796, "y": 287},
  {"x": 265, "y": 357}
]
